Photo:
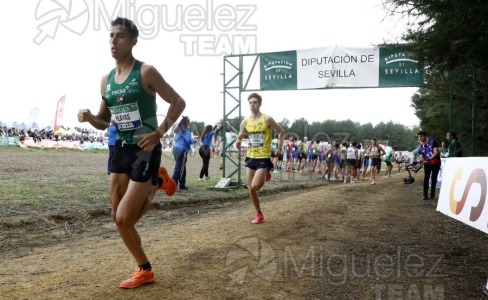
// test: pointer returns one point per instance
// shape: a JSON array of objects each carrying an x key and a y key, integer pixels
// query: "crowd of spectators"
[{"x": 79, "y": 134}]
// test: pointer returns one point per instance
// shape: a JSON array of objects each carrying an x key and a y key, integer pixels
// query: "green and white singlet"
[{"x": 132, "y": 108}]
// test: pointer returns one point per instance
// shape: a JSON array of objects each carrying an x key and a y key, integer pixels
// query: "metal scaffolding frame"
[{"x": 235, "y": 81}]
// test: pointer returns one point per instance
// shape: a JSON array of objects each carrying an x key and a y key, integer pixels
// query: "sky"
[{"x": 55, "y": 48}]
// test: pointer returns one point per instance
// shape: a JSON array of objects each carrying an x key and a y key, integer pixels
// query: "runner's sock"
[{"x": 146, "y": 267}]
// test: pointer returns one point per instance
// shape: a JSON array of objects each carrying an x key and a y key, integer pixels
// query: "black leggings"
[
  {"x": 431, "y": 171},
  {"x": 204, "y": 152}
]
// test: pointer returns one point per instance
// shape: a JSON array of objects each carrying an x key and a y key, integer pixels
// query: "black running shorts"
[
  {"x": 259, "y": 163},
  {"x": 138, "y": 164}
]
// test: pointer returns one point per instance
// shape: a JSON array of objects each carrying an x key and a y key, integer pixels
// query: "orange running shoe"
[
  {"x": 165, "y": 182},
  {"x": 139, "y": 277}
]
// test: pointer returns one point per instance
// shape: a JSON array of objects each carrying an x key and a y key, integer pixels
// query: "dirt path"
[{"x": 342, "y": 241}]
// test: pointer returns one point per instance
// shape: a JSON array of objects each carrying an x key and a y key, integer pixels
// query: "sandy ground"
[{"x": 338, "y": 241}]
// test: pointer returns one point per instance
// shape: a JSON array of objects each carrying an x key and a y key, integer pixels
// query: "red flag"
[{"x": 59, "y": 114}]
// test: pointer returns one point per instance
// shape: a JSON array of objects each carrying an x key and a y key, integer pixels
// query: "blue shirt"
[
  {"x": 183, "y": 140},
  {"x": 207, "y": 141},
  {"x": 112, "y": 134}
]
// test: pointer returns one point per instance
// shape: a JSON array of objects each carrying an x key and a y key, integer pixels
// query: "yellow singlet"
[{"x": 260, "y": 137}]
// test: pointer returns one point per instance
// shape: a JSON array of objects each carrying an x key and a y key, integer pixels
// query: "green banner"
[
  {"x": 279, "y": 71},
  {"x": 11, "y": 141},
  {"x": 398, "y": 68}
]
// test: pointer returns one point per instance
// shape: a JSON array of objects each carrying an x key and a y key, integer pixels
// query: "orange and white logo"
[{"x": 464, "y": 190}]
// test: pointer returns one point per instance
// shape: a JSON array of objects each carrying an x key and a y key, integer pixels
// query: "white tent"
[
  {"x": 21, "y": 126},
  {"x": 35, "y": 126},
  {"x": 72, "y": 131}
]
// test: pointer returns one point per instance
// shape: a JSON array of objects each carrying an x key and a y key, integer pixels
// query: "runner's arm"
[{"x": 242, "y": 132}]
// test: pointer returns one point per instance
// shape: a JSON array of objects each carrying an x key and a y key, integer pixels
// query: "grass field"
[{"x": 78, "y": 181}]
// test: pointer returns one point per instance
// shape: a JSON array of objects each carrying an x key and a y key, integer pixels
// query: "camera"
[{"x": 408, "y": 180}]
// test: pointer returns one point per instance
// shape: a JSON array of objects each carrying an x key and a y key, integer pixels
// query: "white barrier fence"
[{"x": 464, "y": 191}]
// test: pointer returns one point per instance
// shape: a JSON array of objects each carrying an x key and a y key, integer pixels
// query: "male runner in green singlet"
[{"x": 129, "y": 98}]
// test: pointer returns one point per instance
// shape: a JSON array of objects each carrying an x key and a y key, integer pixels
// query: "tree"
[
  {"x": 285, "y": 123},
  {"x": 197, "y": 127},
  {"x": 445, "y": 34},
  {"x": 450, "y": 38},
  {"x": 232, "y": 124},
  {"x": 299, "y": 128},
  {"x": 365, "y": 132}
]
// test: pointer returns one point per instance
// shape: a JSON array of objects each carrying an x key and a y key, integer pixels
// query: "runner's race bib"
[{"x": 126, "y": 116}]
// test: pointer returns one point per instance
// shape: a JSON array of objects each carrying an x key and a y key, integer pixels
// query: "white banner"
[
  {"x": 340, "y": 67},
  {"x": 464, "y": 190},
  {"x": 337, "y": 67}
]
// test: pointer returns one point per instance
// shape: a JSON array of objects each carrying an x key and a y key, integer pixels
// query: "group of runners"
[{"x": 336, "y": 160}]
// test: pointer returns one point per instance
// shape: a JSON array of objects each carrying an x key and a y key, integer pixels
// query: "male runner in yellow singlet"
[{"x": 259, "y": 129}]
